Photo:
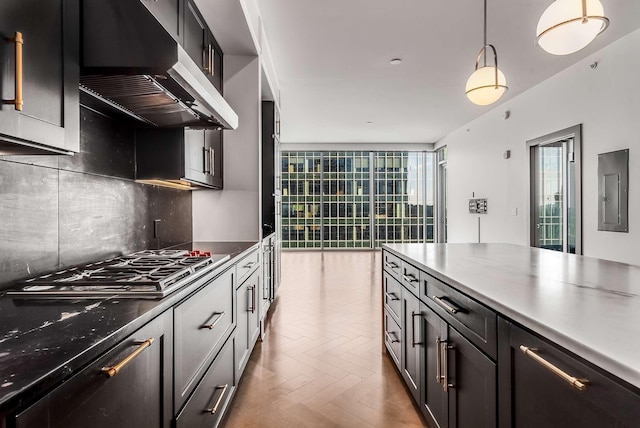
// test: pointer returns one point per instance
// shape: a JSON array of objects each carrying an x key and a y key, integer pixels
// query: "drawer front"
[
  {"x": 137, "y": 395},
  {"x": 541, "y": 392},
  {"x": 410, "y": 276},
  {"x": 392, "y": 294},
  {"x": 247, "y": 265},
  {"x": 212, "y": 396},
  {"x": 202, "y": 324},
  {"x": 474, "y": 320},
  {"x": 392, "y": 338},
  {"x": 391, "y": 264}
]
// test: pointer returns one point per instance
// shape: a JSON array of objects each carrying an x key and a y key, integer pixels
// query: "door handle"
[
  {"x": 17, "y": 101},
  {"x": 580, "y": 384},
  {"x": 212, "y": 161},
  {"x": 445, "y": 365},
  {"x": 114, "y": 370},
  {"x": 206, "y": 154},
  {"x": 214, "y": 408},
  {"x": 413, "y": 329},
  {"x": 210, "y": 326}
]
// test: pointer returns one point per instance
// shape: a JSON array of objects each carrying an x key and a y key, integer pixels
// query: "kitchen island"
[
  {"x": 45, "y": 341},
  {"x": 524, "y": 313}
]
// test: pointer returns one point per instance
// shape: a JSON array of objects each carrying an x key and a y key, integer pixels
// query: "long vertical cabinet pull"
[
  {"x": 17, "y": 101},
  {"x": 206, "y": 155},
  {"x": 445, "y": 348},
  {"x": 413, "y": 329},
  {"x": 438, "y": 360},
  {"x": 212, "y": 161}
]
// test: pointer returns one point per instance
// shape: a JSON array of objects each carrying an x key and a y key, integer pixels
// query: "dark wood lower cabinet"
[
  {"x": 137, "y": 396},
  {"x": 248, "y": 322},
  {"x": 433, "y": 399},
  {"x": 471, "y": 377},
  {"x": 533, "y": 396},
  {"x": 210, "y": 399},
  {"x": 411, "y": 342},
  {"x": 459, "y": 381}
]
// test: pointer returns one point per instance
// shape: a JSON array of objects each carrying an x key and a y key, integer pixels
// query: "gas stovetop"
[{"x": 148, "y": 273}]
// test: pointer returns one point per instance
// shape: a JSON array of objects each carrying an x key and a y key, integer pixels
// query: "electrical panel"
[{"x": 478, "y": 206}]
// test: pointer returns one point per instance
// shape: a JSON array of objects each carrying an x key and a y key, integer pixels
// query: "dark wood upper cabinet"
[
  {"x": 179, "y": 155},
  {"x": 50, "y": 117},
  {"x": 167, "y": 12},
  {"x": 200, "y": 44}
]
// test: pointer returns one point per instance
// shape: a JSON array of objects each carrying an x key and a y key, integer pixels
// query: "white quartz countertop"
[{"x": 588, "y": 306}]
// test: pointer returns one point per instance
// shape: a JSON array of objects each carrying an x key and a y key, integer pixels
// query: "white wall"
[
  {"x": 606, "y": 101},
  {"x": 233, "y": 214}
]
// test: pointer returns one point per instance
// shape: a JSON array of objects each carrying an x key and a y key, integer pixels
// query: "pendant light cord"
[{"x": 485, "y": 32}]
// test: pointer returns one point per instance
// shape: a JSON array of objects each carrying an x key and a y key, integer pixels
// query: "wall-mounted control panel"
[{"x": 478, "y": 206}]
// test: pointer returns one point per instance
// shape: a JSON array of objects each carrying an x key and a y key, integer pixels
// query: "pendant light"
[
  {"x": 569, "y": 25},
  {"x": 486, "y": 84}
]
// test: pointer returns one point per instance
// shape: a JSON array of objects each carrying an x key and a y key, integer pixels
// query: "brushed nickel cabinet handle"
[
  {"x": 205, "y": 152},
  {"x": 214, "y": 408},
  {"x": 391, "y": 296},
  {"x": 389, "y": 339},
  {"x": 211, "y": 62},
  {"x": 438, "y": 360},
  {"x": 409, "y": 278},
  {"x": 17, "y": 101},
  {"x": 212, "y": 161},
  {"x": 111, "y": 371},
  {"x": 210, "y": 326},
  {"x": 391, "y": 265},
  {"x": 413, "y": 329},
  {"x": 253, "y": 298},
  {"x": 249, "y": 265},
  {"x": 445, "y": 305},
  {"x": 445, "y": 365},
  {"x": 580, "y": 384}
]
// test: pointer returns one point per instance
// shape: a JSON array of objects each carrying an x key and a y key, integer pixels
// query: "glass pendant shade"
[
  {"x": 482, "y": 88},
  {"x": 569, "y": 25}
]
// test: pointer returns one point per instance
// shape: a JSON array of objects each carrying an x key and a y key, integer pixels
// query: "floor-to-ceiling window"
[{"x": 356, "y": 199}]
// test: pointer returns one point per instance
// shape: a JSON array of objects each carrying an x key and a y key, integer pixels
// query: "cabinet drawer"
[
  {"x": 474, "y": 320},
  {"x": 392, "y": 264},
  {"x": 410, "y": 277},
  {"x": 247, "y": 265},
  {"x": 392, "y": 338},
  {"x": 210, "y": 400},
  {"x": 540, "y": 392},
  {"x": 392, "y": 293},
  {"x": 137, "y": 395},
  {"x": 202, "y": 324}
]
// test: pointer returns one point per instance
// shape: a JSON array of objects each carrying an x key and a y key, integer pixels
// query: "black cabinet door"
[
  {"x": 50, "y": 114},
  {"x": 412, "y": 342},
  {"x": 471, "y": 384},
  {"x": 268, "y": 168},
  {"x": 434, "y": 401},
  {"x": 213, "y": 69},
  {"x": 533, "y": 396},
  {"x": 248, "y": 325},
  {"x": 213, "y": 148},
  {"x": 195, "y": 35},
  {"x": 197, "y": 156},
  {"x": 167, "y": 12},
  {"x": 138, "y": 396}
]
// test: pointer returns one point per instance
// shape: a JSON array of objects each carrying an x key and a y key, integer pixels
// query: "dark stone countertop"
[
  {"x": 43, "y": 341},
  {"x": 589, "y": 306}
]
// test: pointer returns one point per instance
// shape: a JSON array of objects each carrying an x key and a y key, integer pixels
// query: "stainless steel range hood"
[{"x": 131, "y": 63}]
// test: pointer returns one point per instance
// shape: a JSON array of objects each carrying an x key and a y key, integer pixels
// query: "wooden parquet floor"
[{"x": 321, "y": 363}]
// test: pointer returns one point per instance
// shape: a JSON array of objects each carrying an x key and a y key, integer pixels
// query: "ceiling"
[{"x": 332, "y": 59}]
